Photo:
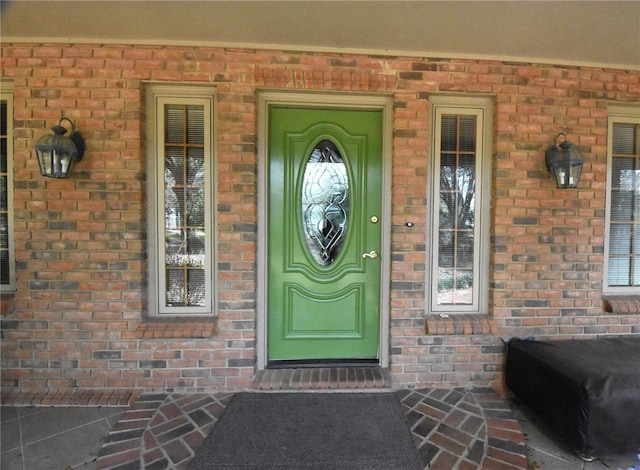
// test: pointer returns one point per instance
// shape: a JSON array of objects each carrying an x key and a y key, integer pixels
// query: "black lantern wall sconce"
[
  {"x": 564, "y": 163},
  {"x": 57, "y": 154}
]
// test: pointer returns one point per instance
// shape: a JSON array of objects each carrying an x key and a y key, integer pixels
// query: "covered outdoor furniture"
[{"x": 588, "y": 391}]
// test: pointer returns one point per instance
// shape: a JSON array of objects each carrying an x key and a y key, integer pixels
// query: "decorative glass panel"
[
  {"x": 325, "y": 202},
  {"x": 184, "y": 193},
  {"x": 457, "y": 209}
]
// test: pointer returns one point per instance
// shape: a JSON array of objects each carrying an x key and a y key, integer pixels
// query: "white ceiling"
[{"x": 604, "y": 33}]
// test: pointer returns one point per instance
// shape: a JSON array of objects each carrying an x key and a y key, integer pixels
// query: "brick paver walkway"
[
  {"x": 464, "y": 429},
  {"x": 452, "y": 428}
]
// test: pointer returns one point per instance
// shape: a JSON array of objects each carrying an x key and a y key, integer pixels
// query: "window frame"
[
  {"x": 482, "y": 108},
  {"x": 157, "y": 95},
  {"x": 617, "y": 114},
  {"x": 6, "y": 94}
]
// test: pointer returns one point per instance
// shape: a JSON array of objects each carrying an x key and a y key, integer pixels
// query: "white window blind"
[
  {"x": 7, "y": 266},
  {"x": 622, "y": 274}
]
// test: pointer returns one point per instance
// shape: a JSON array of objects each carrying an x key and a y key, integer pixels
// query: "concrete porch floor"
[{"x": 452, "y": 428}]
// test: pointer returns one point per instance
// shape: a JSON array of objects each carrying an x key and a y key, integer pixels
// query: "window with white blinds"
[
  {"x": 459, "y": 204},
  {"x": 7, "y": 265},
  {"x": 622, "y": 249},
  {"x": 181, "y": 187}
]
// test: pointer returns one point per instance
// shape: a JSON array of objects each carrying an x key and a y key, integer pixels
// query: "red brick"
[{"x": 103, "y": 93}]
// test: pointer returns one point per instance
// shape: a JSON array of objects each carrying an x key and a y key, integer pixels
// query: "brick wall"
[{"x": 80, "y": 243}]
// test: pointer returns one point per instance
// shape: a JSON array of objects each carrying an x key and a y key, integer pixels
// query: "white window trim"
[
  {"x": 482, "y": 107},
  {"x": 627, "y": 115},
  {"x": 6, "y": 94},
  {"x": 156, "y": 96}
]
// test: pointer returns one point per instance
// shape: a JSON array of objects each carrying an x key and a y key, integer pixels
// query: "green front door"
[{"x": 324, "y": 234}]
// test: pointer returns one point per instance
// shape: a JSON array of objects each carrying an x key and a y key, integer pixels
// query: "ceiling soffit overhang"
[{"x": 600, "y": 34}]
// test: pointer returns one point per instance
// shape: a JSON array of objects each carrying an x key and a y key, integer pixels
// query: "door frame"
[{"x": 336, "y": 100}]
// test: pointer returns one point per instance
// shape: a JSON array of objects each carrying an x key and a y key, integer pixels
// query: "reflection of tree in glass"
[
  {"x": 457, "y": 214},
  {"x": 170, "y": 200},
  {"x": 178, "y": 195},
  {"x": 193, "y": 294},
  {"x": 456, "y": 218},
  {"x": 184, "y": 228},
  {"x": 184, "y": 206},
  {"x": 195, "y": 187}
]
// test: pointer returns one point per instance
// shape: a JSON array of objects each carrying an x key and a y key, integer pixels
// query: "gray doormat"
[{"x": 310, "y": 431}]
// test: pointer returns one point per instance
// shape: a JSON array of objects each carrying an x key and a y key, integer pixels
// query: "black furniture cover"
[{"x": 588, "y": 391}]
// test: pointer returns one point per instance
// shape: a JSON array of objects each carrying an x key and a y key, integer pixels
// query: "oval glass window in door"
[{"x": 325, "y": 202}]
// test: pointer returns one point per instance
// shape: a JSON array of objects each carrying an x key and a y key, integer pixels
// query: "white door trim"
[{"x": 335, "y": 100}]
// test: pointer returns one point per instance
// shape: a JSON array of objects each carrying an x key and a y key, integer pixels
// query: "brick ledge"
[
  {"x": 458, "y": 324},
  {"x": 7, "y": 303},
  {"x": 68, "y": 397},
  {"x": 176, "y": 328},
  {"x": 622, "y": 305}
]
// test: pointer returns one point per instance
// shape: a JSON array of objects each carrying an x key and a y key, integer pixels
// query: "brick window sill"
[
  {"x": 161, "y": 328},
  {"x": 7, "y": 303},
  {"x": 629, "y": 305},
  {"x": 458, "y": 324}
]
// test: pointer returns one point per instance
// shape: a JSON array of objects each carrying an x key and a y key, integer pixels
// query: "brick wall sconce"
[
  {"x": 57, "y": 153},
  {"x": 564, "y": 163}
]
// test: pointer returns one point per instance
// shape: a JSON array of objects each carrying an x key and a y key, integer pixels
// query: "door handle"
[{"x": 372, "y": 254}]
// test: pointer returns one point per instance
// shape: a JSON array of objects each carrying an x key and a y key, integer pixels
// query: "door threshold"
[{"x": 360, "y": 377}]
